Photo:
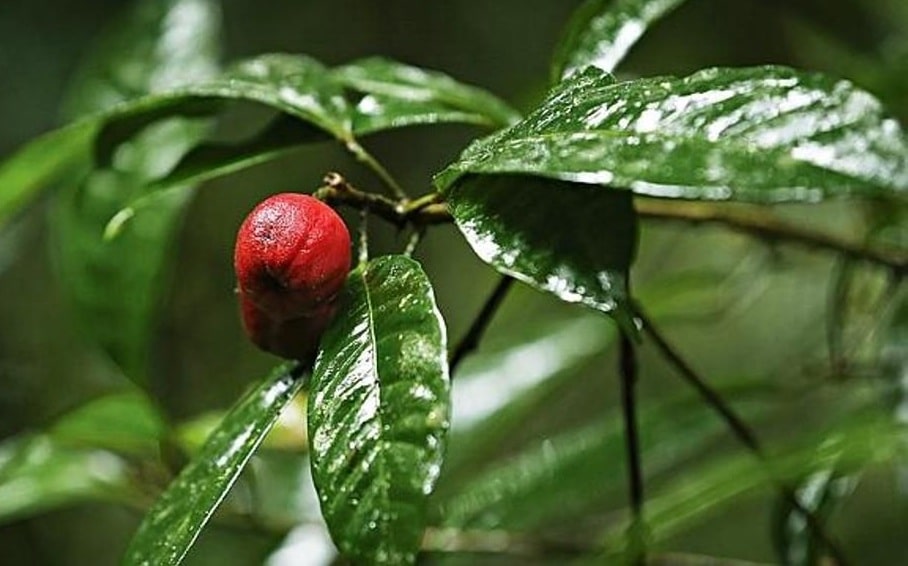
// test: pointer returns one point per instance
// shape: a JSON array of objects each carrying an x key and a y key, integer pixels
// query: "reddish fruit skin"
[
  {"x": 295, "y": 338},
  {"x": 292, "y": 255},
  {"x": 291, "y": 259}
]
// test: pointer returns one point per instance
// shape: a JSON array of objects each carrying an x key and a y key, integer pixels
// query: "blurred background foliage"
[{"x": 754, "y": 318}]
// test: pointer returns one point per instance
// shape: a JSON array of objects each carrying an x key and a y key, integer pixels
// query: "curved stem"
[
  {"x": 414, "y": 240},
  {"x": 740, "y": 429},
  {"x": 363, "y": 236},
  {"x": 369, "y": 161},
  {"x": 766, "y": 226},
  {"x": 755, "y": 223},
  {"x": 471, "y": 339}
]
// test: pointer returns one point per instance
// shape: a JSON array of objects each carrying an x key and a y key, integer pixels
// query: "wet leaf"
[
  {"x": 116, "y": 286},
  {"x": 174, "y": 522},
  {"x": 296, "y": 85},
  {"x": 39, "y": 472},
  {"x": 762, "y": 134},
  {"x": 378, "y": 411},
  {"x": 573, "y": 240},
  {"x": 397, "y": 95},
  {"x": 601, "y": 32}
]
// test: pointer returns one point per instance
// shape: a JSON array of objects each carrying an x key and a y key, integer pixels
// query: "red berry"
[
  {"x": 295, "y": 338},
  {"x": 292, "y": 257}
]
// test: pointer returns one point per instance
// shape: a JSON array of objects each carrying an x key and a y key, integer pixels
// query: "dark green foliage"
[{"x": 524, "y": 456}]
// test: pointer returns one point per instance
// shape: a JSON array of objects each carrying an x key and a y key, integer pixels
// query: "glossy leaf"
[
  {"x": 293, "y": 84},
  {"x": 123, "y": 422},
  {"x": 601, "y": 33},
  {"x": 38, "y": 473},
  {"x": 763, "y": 134},
  {"x": 172, "y": 525},
  {"x": 115, "y": 286},
  {"x": 378, "y": 411},
  {"x": 573, "y": 240},
  {"x": 397, "y": 95}
]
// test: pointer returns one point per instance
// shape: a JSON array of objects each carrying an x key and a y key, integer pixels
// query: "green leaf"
[
  {"x": 293, "y": 84},
  {"x": 116, "y": 286},
  {"x": 601, "y": 32},
  {"x": 379, "y": 410},
  {"x": 172, "y": 525},
  {"x": 123, "y": 422},
  {"x": 763, "y": 134},
  {"x": 398, "y": 95},
  {"x": 38, "y": 473},
  {"x": 43, "y": 162},
  {"x": 573, "y": 240}
]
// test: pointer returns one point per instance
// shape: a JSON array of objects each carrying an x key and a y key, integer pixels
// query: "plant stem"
[
  {"x": 740, "y": 429},
  {"x": 627, "y": 369},
  {"x": 471, "y": 339},
  {"x": 369, "y": 161},
  {"x": 767, "y": 227},
  {"x": 414, "y": 240},
  {"x": 363, "y": 236},
  {"x": 757, "y": 223}
]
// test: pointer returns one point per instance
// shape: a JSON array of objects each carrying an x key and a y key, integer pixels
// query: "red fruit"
[
  {"x": 291, "y": 259},
  {"x": 295, "y": 338}
]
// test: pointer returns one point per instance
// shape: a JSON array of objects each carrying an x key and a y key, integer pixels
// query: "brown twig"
[
  {"x": 767, "y": 227},
  {"x": 757, "y": 223}
]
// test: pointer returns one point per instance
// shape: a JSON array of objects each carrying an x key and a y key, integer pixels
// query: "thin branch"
[
  {"x": 422, "y": 211},
  {"x": 363, "y": 236},
  {"x": 369, "y": 161},
  {"x": 756, "y": 223},
  {"x": 471, "y": 339},
  {"x": 740, "y": 429},
  {"x": 627, "y": 368},
  {"x": 768, "y": 227},
  {"x": 414, "y": 240}
]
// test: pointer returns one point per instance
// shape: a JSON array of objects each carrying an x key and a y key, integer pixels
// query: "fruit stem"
[{"x": 369, "y": 161}]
